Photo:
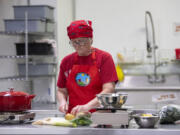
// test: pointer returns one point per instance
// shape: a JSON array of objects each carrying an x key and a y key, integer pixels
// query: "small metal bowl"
[
  {"x": 146, "y": 121},
  {"x": 115, "y": 100}
]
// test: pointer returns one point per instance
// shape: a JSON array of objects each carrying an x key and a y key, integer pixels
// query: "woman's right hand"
[{"x": 63, "y": 107}]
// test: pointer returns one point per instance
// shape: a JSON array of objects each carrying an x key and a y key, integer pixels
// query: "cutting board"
[{"x": 55, "y": 121}]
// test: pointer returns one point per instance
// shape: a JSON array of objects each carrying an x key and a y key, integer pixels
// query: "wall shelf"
[
  {"x": 176, "y": 60},
  {"x": 23, "y": 56},
  {"x": 23, "y": 78},
  {"x": 30, "y": 33}
]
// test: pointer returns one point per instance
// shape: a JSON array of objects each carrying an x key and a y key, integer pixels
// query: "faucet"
[{"x": 151, "y": 49}]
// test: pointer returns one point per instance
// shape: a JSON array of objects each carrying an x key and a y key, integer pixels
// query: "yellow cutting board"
[{"x": 55, "y": 121}]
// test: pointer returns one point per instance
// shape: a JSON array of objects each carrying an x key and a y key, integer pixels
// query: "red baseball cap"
[{"x": 80, "y": 28}]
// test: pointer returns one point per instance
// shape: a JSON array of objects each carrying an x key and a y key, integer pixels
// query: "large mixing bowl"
[{"x": 115, "y": 100}]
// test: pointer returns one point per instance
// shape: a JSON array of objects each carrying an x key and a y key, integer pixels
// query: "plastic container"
[
  {"x": 177, "y": 50},
  {"x": 37, "y": 69},
  {"x": 35, "y": 49},
  {"x": 34, "y": 25},
  {"x": 44, "y": 93},
  {"x": 34, "y": 12}
]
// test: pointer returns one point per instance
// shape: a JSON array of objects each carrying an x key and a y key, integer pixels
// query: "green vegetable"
[
  {"x": 65, "y": 124},
  {"x": 169, "y": 114},
  {"x": 82, "y": 121}
]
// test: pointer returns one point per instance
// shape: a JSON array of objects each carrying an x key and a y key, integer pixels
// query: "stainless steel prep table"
[
  {"x": 44, "y": 129},
  {"x": 27, "y": 128}
]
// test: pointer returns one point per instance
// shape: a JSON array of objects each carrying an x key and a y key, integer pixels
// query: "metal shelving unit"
[
  {"x": 28, "y": 59},
  {"x": 39, "y": 71}
]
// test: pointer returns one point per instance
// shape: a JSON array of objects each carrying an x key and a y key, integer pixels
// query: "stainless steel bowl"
[
  {"x": 115, "y": 100},
  {"x": 146, "y": 121}
]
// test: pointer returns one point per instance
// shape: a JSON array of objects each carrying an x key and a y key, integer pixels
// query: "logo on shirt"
[{"x": 82, "y": 79}]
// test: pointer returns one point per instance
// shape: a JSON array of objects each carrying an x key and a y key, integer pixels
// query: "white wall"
[
  {"x": 65, "y": 15},
  {"x": 121, "y": 23},
  {"x": 142, "y": 99}
]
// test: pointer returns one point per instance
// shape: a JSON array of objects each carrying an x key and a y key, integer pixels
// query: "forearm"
[
  {"x": 107, "y": 88},
  {"x": 62, "y": 95}
]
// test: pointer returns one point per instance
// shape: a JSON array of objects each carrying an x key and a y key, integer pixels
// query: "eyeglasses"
[{"x": 79, "y": 42}]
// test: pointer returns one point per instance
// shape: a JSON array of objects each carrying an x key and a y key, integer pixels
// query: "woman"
[{"x": 86, "y": 72}]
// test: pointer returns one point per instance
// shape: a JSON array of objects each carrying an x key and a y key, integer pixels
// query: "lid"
[{"x": 11, "y": 92}]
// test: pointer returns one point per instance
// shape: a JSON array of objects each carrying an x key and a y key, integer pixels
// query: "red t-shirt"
[{"x": 104, "y": 62}]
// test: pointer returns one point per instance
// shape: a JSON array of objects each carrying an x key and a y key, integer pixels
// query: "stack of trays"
[{"x": 40, "y": 19}]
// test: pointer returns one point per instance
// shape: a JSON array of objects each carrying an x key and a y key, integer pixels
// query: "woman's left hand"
[{"x": 80, "y": 108}]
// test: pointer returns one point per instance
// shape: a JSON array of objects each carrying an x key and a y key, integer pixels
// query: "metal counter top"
[
  {"x": 31, "y": 129},
  {"x": 28, "y": 128},
  {"x": 133, "y": 129}
]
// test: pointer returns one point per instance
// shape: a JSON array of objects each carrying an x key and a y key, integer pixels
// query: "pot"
[
  {"x": 177, "y": 50},
  {"x": 13, "y": 101}
]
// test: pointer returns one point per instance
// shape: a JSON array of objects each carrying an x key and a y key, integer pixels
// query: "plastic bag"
[{"x": 169, "y": 114}]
